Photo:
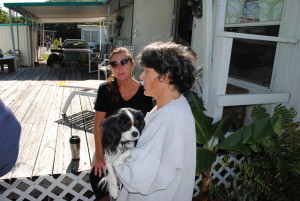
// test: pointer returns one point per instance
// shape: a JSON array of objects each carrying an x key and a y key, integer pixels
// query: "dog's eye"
[
  {"x": 126, "y": 126},
  {"x": 136, "y": 122}
]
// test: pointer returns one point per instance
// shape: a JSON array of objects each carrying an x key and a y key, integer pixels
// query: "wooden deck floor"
[{"x": 36, "y": 99}]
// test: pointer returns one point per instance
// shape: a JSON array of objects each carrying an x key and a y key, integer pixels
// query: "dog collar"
[
  {"x": 124, "y": 148},
  {"x": 123, "y": 143}
]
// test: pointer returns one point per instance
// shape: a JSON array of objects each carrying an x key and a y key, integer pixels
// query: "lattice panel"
[
  {"x": 223, "y": 175},
  {"x": 76, "y": 187},
  {"x": 61, "y": 187}
]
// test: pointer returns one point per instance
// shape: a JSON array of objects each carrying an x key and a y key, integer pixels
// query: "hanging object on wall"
[
  {"x": 119, "y": 19},
  {"x": 196, "y": 6},
  {"x": 119, "y": 22}
]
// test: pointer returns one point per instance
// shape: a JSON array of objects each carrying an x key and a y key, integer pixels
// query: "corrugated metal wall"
[{"x": 22, "y": 44}]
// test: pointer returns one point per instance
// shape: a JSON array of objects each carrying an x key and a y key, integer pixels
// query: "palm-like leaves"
[
  {"x": 275, "y": 161},
  {"x": 207, "y": 133},
  {"x": 247, "y": 139},
  {"x": 201, "y": 120},
  {"x": 267, "y": 136}
]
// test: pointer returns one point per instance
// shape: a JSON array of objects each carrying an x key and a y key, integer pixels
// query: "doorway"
[{"x": 183, "y": 23}]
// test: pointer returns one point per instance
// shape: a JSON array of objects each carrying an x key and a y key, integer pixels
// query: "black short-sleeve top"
[{"x": 139, "y": 101}]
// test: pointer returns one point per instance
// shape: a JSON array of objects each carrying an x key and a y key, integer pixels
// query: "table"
[
  {"x": 10, "y": 61},
  {"x": 82, "y": 89}
]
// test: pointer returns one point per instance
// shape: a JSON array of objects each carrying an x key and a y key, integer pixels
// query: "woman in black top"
[
  {"x": 138, "y": 101},
  {"x": 121, "y": 90}
]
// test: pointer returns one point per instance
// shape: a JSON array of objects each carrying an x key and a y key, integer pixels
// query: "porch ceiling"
[{"x": 67, "y": 12}]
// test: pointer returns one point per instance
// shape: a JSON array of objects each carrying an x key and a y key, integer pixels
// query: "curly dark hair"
[{"x": 169, "y": 57}]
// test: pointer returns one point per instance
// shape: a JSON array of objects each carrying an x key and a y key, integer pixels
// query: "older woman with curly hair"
[{"x": 162, "y": 166}]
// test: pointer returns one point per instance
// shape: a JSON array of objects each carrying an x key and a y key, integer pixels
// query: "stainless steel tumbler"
[{"x": 75, "y": 147}]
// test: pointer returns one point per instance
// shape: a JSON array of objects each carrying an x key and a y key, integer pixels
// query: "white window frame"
[{"x": 220, "y": 69}]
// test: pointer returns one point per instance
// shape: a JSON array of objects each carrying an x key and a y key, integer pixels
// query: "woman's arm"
[
  {"x": 10, "y": 130},
  {"x": 153, "y": 164},
  {"x": 99, "y": 162}
]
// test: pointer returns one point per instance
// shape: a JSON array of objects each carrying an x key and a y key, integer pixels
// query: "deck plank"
[
  {"x": 45, "y": 159},
  {"x": 21, "y": 106},
  {"x": 88, "y": 118},
  {"x": 17, "y": 98},
  {"x": 24, "y": 102},
  {"x": 4, "y": 76},
  {"x": 36, "y": 100},
  {"x": 63, "y": 154},
  {"x": 11, "y": 86},
  {"x": 84, "y": 162},
  {"x": 41, "y": 106}
]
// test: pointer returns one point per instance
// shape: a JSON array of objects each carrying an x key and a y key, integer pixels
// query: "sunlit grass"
[{"x": 44, "y": 56}]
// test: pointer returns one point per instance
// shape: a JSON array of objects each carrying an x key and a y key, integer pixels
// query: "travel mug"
[{"x": 75, "y": 147}]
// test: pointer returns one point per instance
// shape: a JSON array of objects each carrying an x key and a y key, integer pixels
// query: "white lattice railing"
[
  {"x": 220, "y": 174},
  {"x": 76, "y": 187},
  {"x": 61, "y": 187}
]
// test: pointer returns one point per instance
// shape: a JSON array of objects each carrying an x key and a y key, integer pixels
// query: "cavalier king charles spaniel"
[{"x": 120, "y": 133}]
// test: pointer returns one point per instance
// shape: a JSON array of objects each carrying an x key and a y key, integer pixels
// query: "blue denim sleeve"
[{"x": 10, "y": 130}]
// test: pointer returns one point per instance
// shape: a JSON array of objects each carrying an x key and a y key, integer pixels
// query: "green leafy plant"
[
  {"x": 237, "y": 192},
  {"x": 211, "y": 138},
  {"x": 55, "y": 43},
  {"x": 273, "y": 169},
  {"x": 207, "y": 137}
]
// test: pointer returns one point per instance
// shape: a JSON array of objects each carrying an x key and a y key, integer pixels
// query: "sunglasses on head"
[{"x": 122, "y": 62}]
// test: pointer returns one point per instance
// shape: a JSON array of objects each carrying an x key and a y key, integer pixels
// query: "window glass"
[
  {"x": 95, "y": 37},
  {"x": 257, "y": 30},
  {"x": 243, "y": 11},
  {"x": 87, "y": 36},
  {"x": 252, "y": 60}
]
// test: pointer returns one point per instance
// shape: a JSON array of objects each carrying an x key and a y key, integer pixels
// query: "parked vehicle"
[
  {"x": 76, "y": 45},
  {"x": 75, "y": 51}
]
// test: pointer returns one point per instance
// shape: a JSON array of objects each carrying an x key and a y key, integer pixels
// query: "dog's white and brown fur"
[{"x": 120, "y": 133}]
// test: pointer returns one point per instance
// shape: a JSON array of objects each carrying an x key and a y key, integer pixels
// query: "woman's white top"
[{"x": 162, "y": 166}]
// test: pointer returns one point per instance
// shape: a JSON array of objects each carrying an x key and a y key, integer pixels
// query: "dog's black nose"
[{"x": 135, "y": 134}]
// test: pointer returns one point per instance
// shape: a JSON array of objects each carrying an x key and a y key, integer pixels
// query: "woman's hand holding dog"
[{"x": 99, "y": 166}]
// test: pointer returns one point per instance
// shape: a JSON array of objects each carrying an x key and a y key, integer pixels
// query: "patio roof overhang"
[
  {"x": 68, "y": 12},
  {"x": 64, "y": 12}
]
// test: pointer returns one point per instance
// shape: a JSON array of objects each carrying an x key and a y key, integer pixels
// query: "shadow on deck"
[{"x": 75, "y": 121}]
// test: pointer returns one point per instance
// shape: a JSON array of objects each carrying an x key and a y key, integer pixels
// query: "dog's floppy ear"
[{"x": 111, "y": 133}]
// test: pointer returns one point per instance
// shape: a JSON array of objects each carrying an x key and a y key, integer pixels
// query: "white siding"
[
  {"x": 127, "y": 24},
  {"x": 125, "y": 33},
  {"x": 152, "y": 21},
  {"x": 22, "y": 45},
  {"x": 288, "y": 57},
  {"x": 87, "y": 33}
]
